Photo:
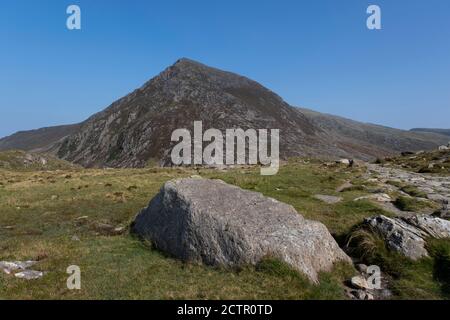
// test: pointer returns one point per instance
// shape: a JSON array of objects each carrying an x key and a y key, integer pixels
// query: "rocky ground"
[{"x": 425, "y": 186}]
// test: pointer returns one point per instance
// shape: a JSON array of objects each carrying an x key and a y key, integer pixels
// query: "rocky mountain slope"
[
  {"x": 137, "y": 128},
  {"x": 439, "y": 131},
  {"x": 362, "y": 139}
]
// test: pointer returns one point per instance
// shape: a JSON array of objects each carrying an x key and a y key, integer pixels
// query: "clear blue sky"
[{"x": 317, "y": 54}]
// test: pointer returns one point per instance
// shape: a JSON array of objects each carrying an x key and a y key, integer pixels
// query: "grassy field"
[{"x": 58, "y": 218}]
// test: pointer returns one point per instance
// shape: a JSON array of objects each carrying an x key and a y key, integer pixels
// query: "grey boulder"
[
  {"x": 209, "y": 221},
  {"x": 407, "y": 235}
]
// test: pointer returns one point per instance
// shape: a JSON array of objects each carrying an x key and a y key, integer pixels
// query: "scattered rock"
[
  {"x": 10, "y": 267},
  {"x": 119, "y": 230},
  {"x": 361, "y": 268},
  {"x": 29, "y": 275},
  {"x": 54, "y": 197},
  {"x": 359, "y": 282},
  {"x": 209, "y": 221},
  {"x": 345, "y": 186},
  {"x": 380, "y": 197},
  {"x": 407, "y": 234},
  {"x": 344, "y": 161},
  {"x": 108, "y": 230},
  {"x": 328, "y": 199},
  {"x": 361, "y": 295}
]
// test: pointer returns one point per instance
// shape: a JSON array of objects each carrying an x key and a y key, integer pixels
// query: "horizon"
[{"x": 388, "y": 77}]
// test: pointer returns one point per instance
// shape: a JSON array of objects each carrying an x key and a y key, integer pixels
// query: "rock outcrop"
[
  {"x": 209, "y": 221},
  {"x": 407, "y": 235}
]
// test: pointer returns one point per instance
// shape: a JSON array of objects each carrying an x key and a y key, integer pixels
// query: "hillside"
[
  {"x": 364, "y": 139},
  {"x": 19, "y": 160},
  {"x": 36, "y": 139},
  {"x": 445, "y": 132}
]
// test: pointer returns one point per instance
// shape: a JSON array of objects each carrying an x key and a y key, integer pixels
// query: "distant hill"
[
  {"x": 137, "y": 128},
  {"x": 37, "y": 139},
  {"x": 21, "y": 160},
  {"x": 445, "y": 132},
  {"x": 361, "y": 139}
]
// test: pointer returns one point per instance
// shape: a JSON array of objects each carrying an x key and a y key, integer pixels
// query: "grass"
[
  {"x": 413, "y": 204},
  {"x": 41, "y": 211},
  {"x": 413, "y": 191},
  {"x": 40, "y": 214}
]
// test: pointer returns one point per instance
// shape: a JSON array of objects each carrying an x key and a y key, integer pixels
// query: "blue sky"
[{"x": 317, "y": 54}]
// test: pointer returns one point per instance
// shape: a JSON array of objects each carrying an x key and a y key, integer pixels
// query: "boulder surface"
[
  {"x": 407, "y": 235},
  {"x": 209, "y": 221}
]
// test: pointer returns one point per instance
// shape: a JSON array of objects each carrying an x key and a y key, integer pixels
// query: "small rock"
[
  {"x": 344, "y": 161},
  {"x": 75, "y": 238},
  {"x": 119, "y": 230},
  {"x": 344, "y": 187},
  {"x": 361, "y": 268},
  {"x": 328, "y": 199},
  {"x": 380, "y": 197},
  {"x": 54, "y": 197},
  {"x": 11, "y": 266},
  {"x": 359, "y": 282},
  {"x": 360, "y": 294},
  {"x": 29, "y": 275}
]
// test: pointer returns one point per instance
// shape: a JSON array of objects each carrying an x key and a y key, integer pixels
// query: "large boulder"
[
  {"x": 407, "y": 235},
  {"x": 209, "y": 221}
]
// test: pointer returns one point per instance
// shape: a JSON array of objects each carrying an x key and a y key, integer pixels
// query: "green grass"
[
  {"x": 41, "y": 227},
  {"x": 413, "y": 191},
  {"x": 427, "y": 278},
  {"x": 412, "y": 204}
]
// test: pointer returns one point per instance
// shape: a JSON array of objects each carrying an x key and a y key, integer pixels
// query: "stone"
[
  {"x": 328, "y": 199},
  {"x": 12, "y": 266},
  {"x": 407, "y": 235},
  {"x": 361, "y": 268},
  {"x": 345, "y": 186},
  {"x": 209, "y": 221},
  {"x": 432, "y": 227},
  {"x": 29, "y": 275},
  {"x": 54, "y": 197},
  {"x": 380, "y": 197},
  {"x": 359, "y": 282},
  {"x": 344, "y": 161}
]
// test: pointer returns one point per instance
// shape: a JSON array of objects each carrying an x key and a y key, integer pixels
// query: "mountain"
[
  {"x": 138, "y": 127},
  {"x": 445, "y": 132}
]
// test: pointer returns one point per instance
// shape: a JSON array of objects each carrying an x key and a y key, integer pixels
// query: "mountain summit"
[{"x": 138, "y": 127}]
